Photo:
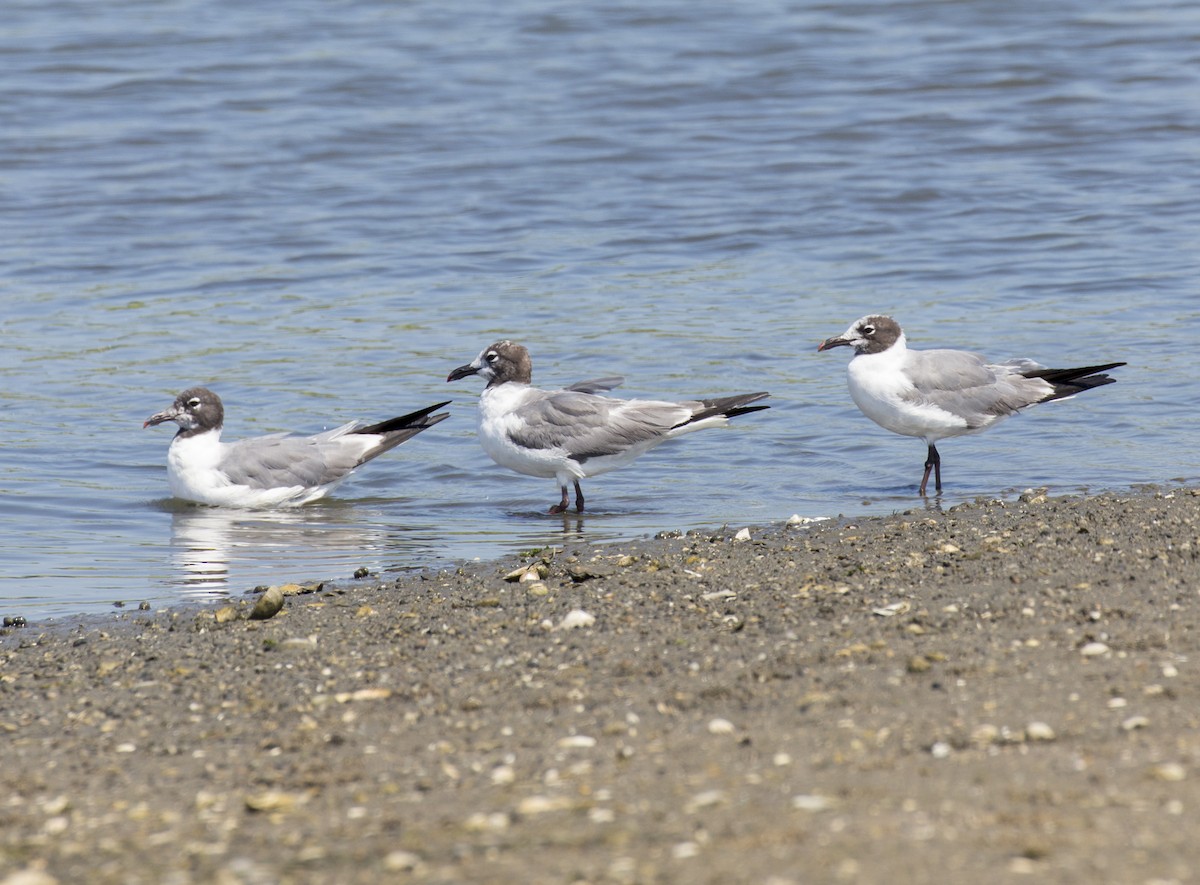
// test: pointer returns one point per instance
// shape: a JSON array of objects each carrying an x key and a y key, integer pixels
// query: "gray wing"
[
  {"x": 280, "y": 461},
  {"x": 589, "y": 426},
  {"x": 963, "y": 384}
]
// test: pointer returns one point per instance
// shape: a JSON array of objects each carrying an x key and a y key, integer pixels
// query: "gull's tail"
[
  {"x": 396, "y": 430},
  {"x": 1068, "y": 382}
]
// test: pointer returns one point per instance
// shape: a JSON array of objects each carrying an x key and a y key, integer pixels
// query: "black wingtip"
[{"x": 419, "y": 419}]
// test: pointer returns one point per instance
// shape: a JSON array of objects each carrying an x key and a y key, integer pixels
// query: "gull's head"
[
  {"x": 195, "y": 410},
  {"x": 871, "y": 334},
  {"x": 503, "y": 361}
]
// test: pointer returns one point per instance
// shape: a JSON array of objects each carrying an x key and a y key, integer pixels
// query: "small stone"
[
  {"x": 1094, "y": 649},
  {"x": 401, "y": 861},
  {"x": 1133, "y": 723},
  {"x": 1039, "y": 731},
  {"x": 742, "y": 535},
  {"x": 294, "y": 643},
  {"x": 226, "y": 613},
  {"x": 811, "y": 802},
  {"x": 575, "y": 619},
  {"x": 720, "y": 726},
  {"x": 534, "y": 805},
  {"x": 576, "y": 742},
  {"x": 1168, "y": 771},
  {"x": 918, "y": 664},
  {"x": 481, "y": 822},
  {"x": 268, "y": 605},
  {"x": 271, "y": 800},
  {"x": 985, "y": 734},
  {"x": 537, "y": 588},
  {"x": 707, "y": 799},
  {"x": 31, "y": 875},
  {"x": 940, "y": 750},
  {"x": 684, "y": 850},
  {"x": 502, "y": 775}
]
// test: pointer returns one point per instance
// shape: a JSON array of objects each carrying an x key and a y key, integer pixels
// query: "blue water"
[{"x": 320, "y": 208}]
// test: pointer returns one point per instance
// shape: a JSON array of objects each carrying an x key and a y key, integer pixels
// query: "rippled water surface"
[{"x": 320, "y": 208}]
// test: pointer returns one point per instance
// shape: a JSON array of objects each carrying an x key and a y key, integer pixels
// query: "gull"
[
  {"x": 937, "y": 394},
  {"x": 279, "y": 470},
  {"x": 576, "y": 432}
]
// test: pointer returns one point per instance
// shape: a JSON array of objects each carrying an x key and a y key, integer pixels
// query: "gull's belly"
[{"x": 882, "y": 398}]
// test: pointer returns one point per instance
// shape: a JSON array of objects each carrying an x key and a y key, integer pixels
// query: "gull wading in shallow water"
[
  {"x": 572, "y": 433},
  {"x": 279, "y": 470},
  {"x": 936, "y": 394}
]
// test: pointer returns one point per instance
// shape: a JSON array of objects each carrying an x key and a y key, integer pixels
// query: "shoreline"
[{"x": 1003, "y": 689}]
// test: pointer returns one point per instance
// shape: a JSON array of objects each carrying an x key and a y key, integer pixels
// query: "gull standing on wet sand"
[
  {"x": 279, "y": 470},
  {"x": 936, "y": 394},
  {"x": 572, "y": 433}
]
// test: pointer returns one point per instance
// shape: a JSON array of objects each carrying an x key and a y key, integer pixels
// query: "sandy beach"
[{"x": 1006, "y": 691}]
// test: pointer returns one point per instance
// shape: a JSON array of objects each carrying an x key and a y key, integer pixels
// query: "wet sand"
[{"x": 1003, "y": 692}]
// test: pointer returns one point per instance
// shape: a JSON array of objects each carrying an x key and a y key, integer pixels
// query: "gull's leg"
[
  {"x": 578, "y": 498},
  {"x": 561, "y": 505},
  {"x": 933, "y": 461}
]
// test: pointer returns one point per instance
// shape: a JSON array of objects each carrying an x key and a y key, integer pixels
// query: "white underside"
[
  {"x": 878, "y": 387},
  {"x": 193, "y": 475}
]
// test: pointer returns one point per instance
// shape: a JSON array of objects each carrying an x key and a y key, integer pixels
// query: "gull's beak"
[
  {"x": 832, "y": 342},
  {"x": 460, "y": 372},
  {"x": 166, "y": 415}
]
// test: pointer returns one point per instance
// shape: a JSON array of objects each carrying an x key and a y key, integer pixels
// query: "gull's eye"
[
  {"x": 194, "y": 403},
  {"x": 492, "y": 356},
  {"x": 867, "y": 331}
]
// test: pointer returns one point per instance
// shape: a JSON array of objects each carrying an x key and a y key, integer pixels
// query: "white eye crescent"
[
  {"x": 194, "y": 402},
  {"x": 492, "y": 356},
  {"x": 868, "y": 330}
]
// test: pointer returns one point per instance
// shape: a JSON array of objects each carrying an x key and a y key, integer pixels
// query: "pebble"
[
  {"x": 811, "y": 802},
  {"x": 720, "y": 726},
  {"x": 482, "y": 822},
  {"x": 401, "y": 861},
  {"x": 1135, "y": 722},
  {"x": 576, "y": 742},
  {"x": 707, "y": 799},
  {"x": 1094, "y": 649},
  {"x": 685, "y": 850},
  {"x": 940, "y": 750},
  {"x": 1039, "y": 731},
  {"x": 1168, "y": 771},
  {"x": 576, "y": 618},
  {"x": 534, "y": 805},
  {"x": 272, "y": 800},
  {"x": 742, "y": 535},
  {"x": 268, "y": 605},
  {"x": 29, "y": 876}
]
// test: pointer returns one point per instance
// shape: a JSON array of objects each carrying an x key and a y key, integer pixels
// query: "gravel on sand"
[{"x": 1005, "y": 691}]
